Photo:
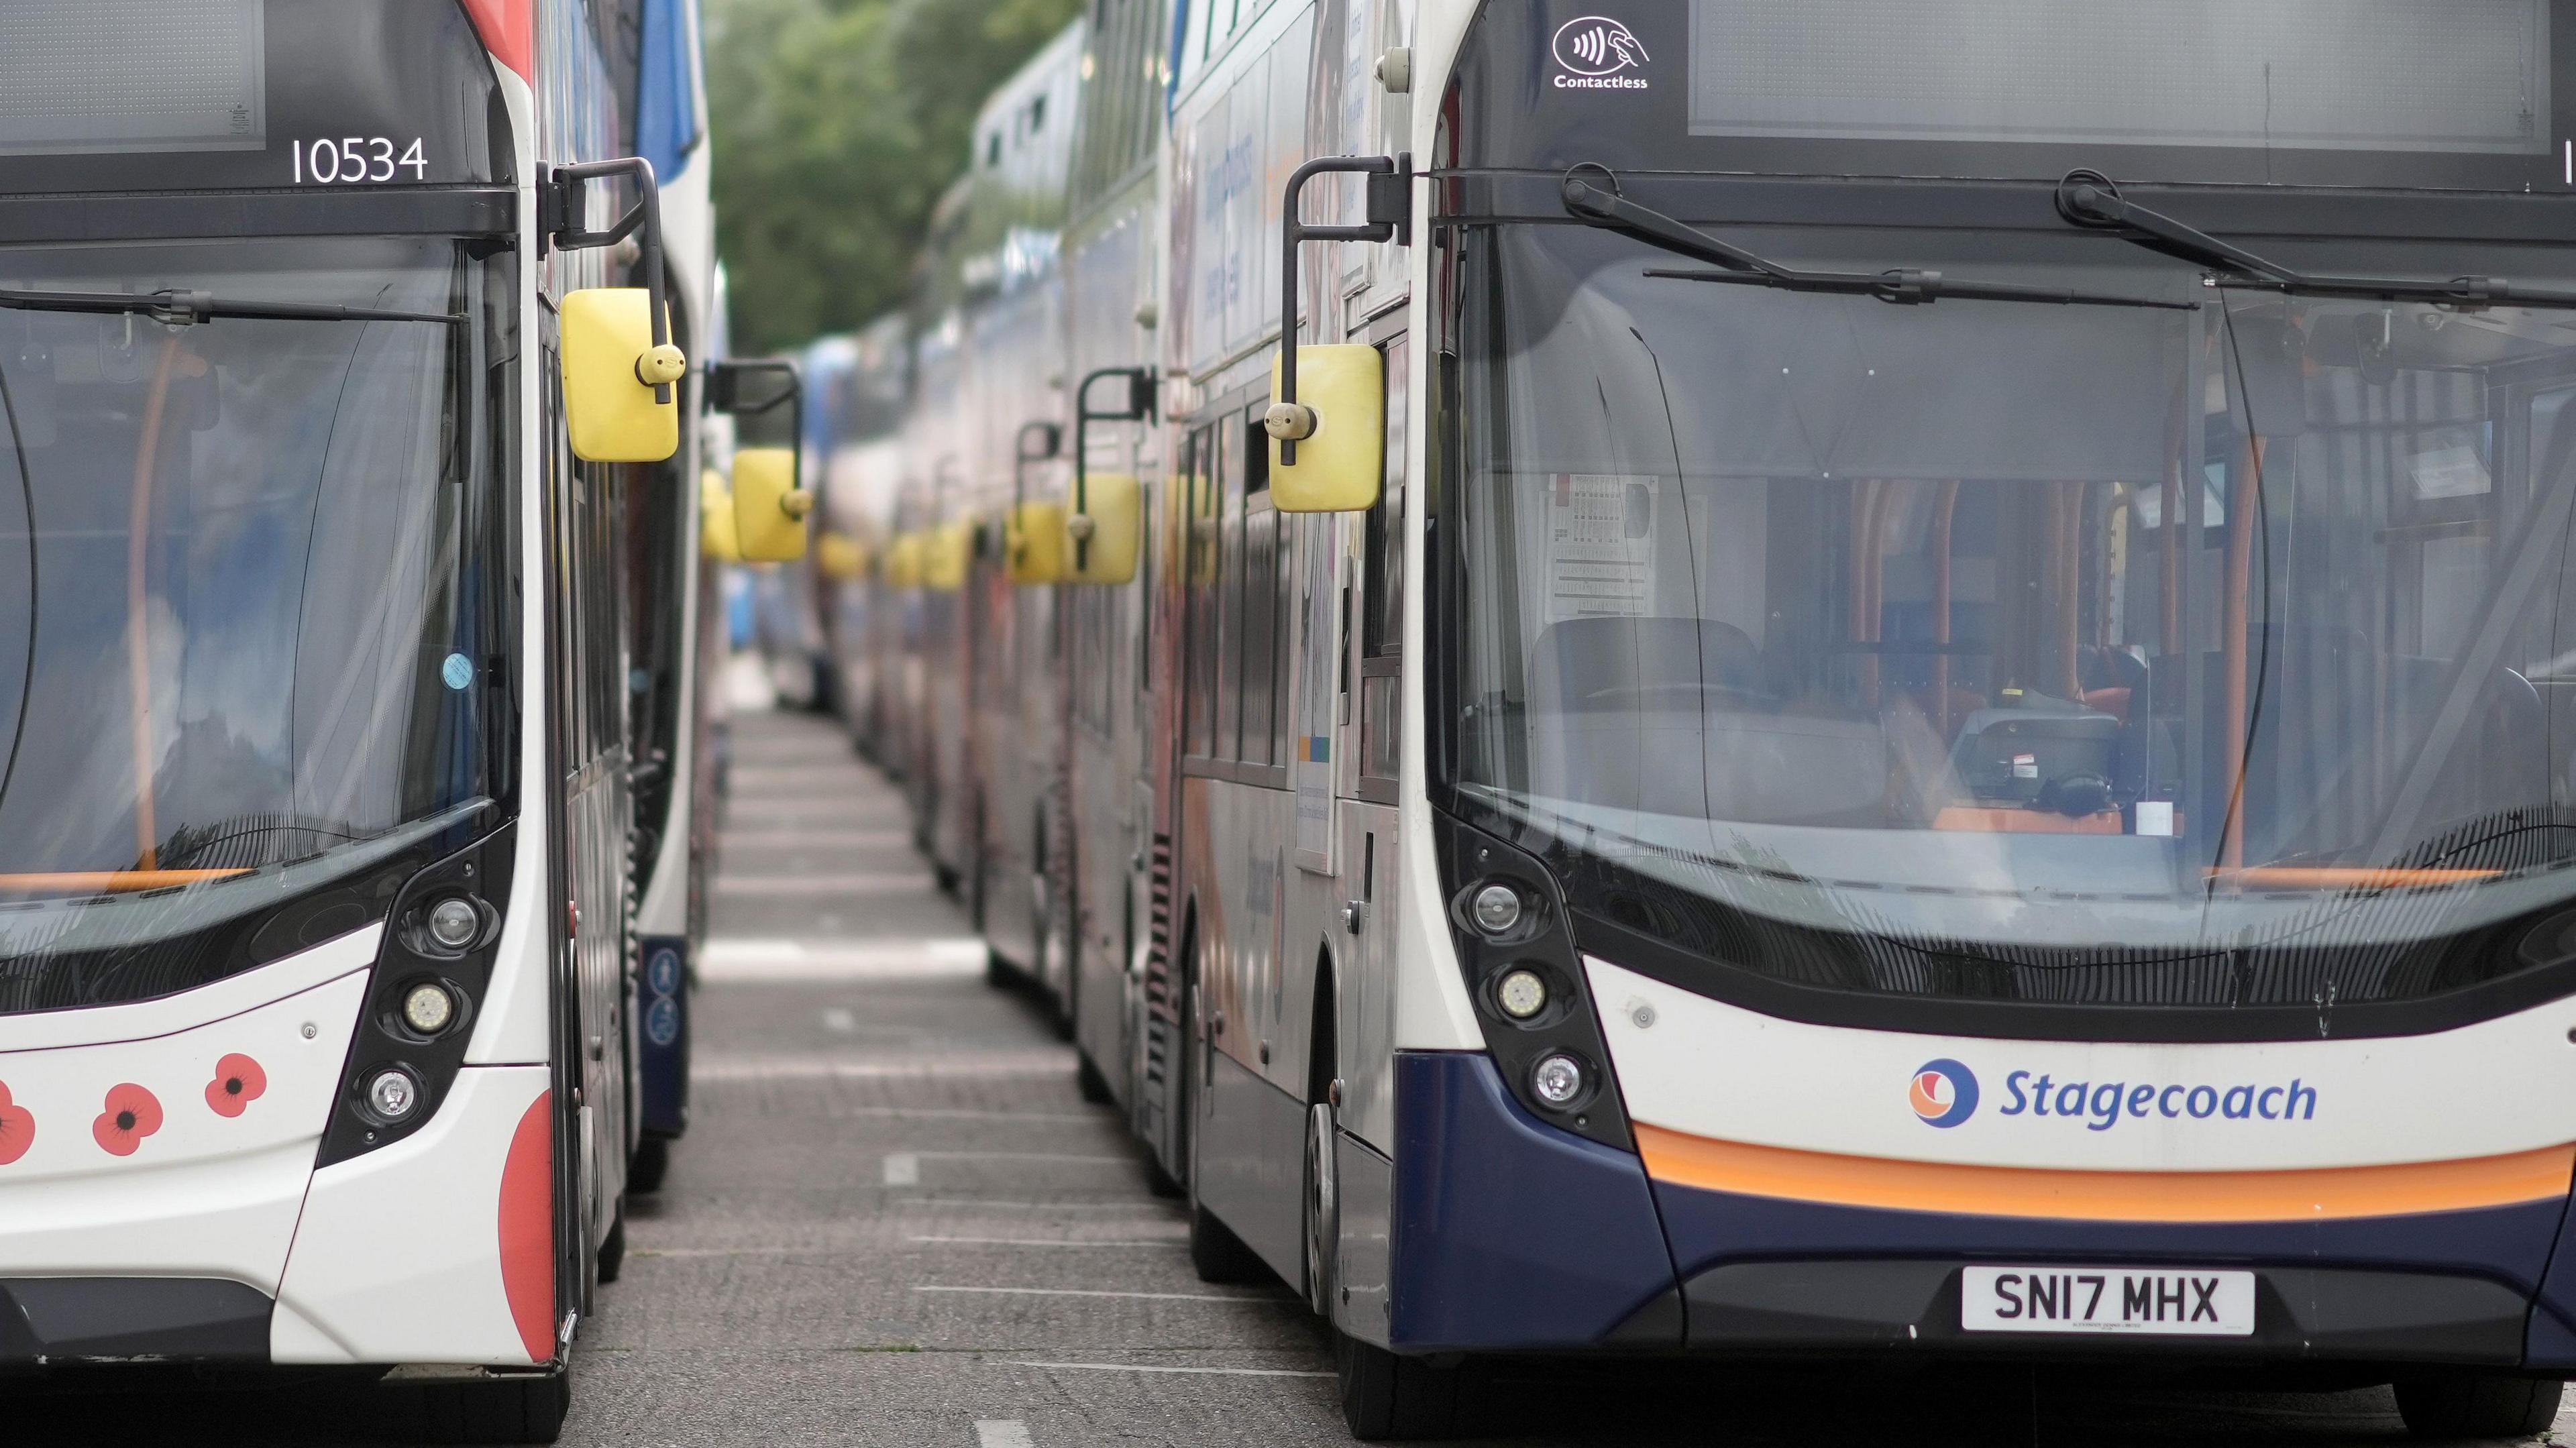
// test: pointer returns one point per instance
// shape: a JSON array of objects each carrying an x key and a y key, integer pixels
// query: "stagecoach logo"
[
  {"x": 1944, "y": 1092},
  {"x": 1596, "y": 51}
]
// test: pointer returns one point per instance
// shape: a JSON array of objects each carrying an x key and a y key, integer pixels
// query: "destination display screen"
[
  {"x": 159, "y": 95},
  {"x": 2437, "y": 94},
  {"x": 61, "y": 90},
  {"x": 2373, "y": 75}
]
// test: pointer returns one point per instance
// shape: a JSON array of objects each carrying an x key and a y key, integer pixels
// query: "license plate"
[{"x": 2162, "y": 1302}]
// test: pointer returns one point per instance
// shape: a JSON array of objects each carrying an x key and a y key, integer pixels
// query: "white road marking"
[
  {"x": 969, "y": 1113},
  {"x": 1213, "y": 1372},
  {"x": 902, "y": 1169},
  {"x": 1098, "y": 1292},
  {"x": 989, "y": 1204},
  {"x": 1038, "y": 1242},
  {"x": 731, "y": 959},
  {"x": 782, "y": 839},
  {"x": 1026, "y": 1156},
  {"x": 839, "y": 1020},
  {"x": 987, "y": 1065},
  {"x": 872, "y": 885},
  {"x": 1001, "y": 1433}
]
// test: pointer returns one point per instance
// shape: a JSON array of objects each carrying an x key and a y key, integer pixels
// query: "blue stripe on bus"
[{"x": 1509, "y": 1233}]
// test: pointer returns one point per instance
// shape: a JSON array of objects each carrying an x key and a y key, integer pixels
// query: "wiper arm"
[
  {"x": 2091, "y": 200},
  {"x": 183, "y": 307},
  {"x": 1903, "y": 286}
]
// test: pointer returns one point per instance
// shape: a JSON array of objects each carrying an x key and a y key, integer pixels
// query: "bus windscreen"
[{"x": 2458, "y": 76}]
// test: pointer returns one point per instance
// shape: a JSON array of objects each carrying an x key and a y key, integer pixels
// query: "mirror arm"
[
  {"x": 1390, "y": 192},
  {"x": 1143, "y": 389},
  {"x": 559, "y": 205}
]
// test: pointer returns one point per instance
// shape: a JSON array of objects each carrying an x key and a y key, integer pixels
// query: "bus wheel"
[
  {"x": 496, "y": 1410},
  {"x": 1088, "y": 1079},
  {"x": 2466, "y": 1403},
  {"x": 650, "y": 1163},
  {"x": 612, "y": 1249},
  {"x": 1387, "y": 1397}
]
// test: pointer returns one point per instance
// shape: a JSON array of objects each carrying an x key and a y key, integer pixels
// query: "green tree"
[{"x": 837, "y": 123}]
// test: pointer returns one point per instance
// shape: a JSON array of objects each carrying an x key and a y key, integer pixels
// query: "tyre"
[
  {"x": 1090, "y": 1082},
  {"x": 650, "y": 1164},
  {"x": 2463, "y": 1403},
  {"x": 998, "y": 972},
  {"x": 1323, "y": 1211},
  {"x": 494, "y": 1410},
  {"x": 612, "y": 1250},
  {"x": 1387, "y": 1397}
]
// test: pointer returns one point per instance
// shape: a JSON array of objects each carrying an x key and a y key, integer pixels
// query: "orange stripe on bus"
[
  {"x": 2305, "y": 1194},
  {"x": 104, "y": 882}
]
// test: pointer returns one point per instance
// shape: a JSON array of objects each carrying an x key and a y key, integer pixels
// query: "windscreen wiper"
[
  {"x": 182, "y": 307},
  {"x": 2091, "y": 200},
  {"x": 1905, "y": 286}
]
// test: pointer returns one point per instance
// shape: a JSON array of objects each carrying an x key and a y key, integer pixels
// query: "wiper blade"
[
  {"x": 2091, "y": 200},
  {"x": 1903, "y": 286},
  {"x": 184, "y": 307}
]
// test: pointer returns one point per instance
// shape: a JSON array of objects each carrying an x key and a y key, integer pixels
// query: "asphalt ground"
[{"x": 894, "y": 1222}]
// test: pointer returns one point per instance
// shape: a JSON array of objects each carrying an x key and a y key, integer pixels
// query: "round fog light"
[
  {"x": 427, "y": 1008},
  {"x": 1497, "y": 908},
  {"x": 1522, "y": 994},
  {"x": 454, "y": 922},
  {"x": 393, "y": 1095},
  {"x": 1558, "y": 1080}
]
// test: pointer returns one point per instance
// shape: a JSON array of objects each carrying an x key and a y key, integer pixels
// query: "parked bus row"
[
  {"x": 359, "y": 773},
  {"x": 1711, "y": 681}
]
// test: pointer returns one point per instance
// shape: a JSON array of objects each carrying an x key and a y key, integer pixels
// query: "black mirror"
[{"x": 766, "y": 400}]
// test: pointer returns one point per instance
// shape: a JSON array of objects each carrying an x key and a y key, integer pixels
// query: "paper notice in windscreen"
[
  {"x": 2449, "y": 472},
  {"x": 1601, "y": 555}
]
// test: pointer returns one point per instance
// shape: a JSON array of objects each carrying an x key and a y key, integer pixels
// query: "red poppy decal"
[
  {"x": 132, "y": 1114},
  {"x": 17, "y": 1128},
  {"x": 238, "y": 1082}
]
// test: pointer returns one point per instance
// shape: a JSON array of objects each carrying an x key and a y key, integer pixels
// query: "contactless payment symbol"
[{"x": 1944, "y": 1092}]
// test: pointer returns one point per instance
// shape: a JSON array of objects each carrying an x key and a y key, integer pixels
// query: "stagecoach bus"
[
  {"x": 324, "y": 402},
  {"x": 1887, "y": 682}
]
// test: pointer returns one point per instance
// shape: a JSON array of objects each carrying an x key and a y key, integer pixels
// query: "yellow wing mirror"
[
  {"x": 1033, "y": 542},
  {"x": 1105, "y": 529},
  {"x": 947, "y": 555},
  {"x": 715, "y": 520},
  {"x": 620, "y": 366},
  {"x": 1033, "y": 532},
  {"x": 613, "y": 373},
  {"x": 766, "y": 400},
  {"x": 1103, "y": 540},
  {"x": 841, "y": 557},
  {"x": 903, "y": 561},
  {"x": 768, "y": 508},
  {"x": 1328, "y": 448}
]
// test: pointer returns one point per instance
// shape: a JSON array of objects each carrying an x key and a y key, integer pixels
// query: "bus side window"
[
  {"x": 1382, "y": 591},
  {"x": 1227, "y": 478},
  {"x": 1198, "y": 555},
  {"x": 1262, "y": 653}
]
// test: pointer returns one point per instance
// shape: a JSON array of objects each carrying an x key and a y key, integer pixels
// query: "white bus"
[
  {"x": 1871, "y": 720},
  {"x": 327, "y": 442}
]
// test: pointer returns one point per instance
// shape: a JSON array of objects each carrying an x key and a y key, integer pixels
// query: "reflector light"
[
  {"x": 393, "y": 1095},
  {"x": 1557, "y": 1080}
]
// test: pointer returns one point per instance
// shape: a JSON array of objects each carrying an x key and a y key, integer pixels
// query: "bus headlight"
[
  {"x": 1522, "y": 994},
  {"x": 1497, "y": 908},
  {"x": 393, "y": 1094},
  {"x": 428, "y": 1008},
  {"x": 1558, "y": 1079},
  {"x": 454, "y": 922}
]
